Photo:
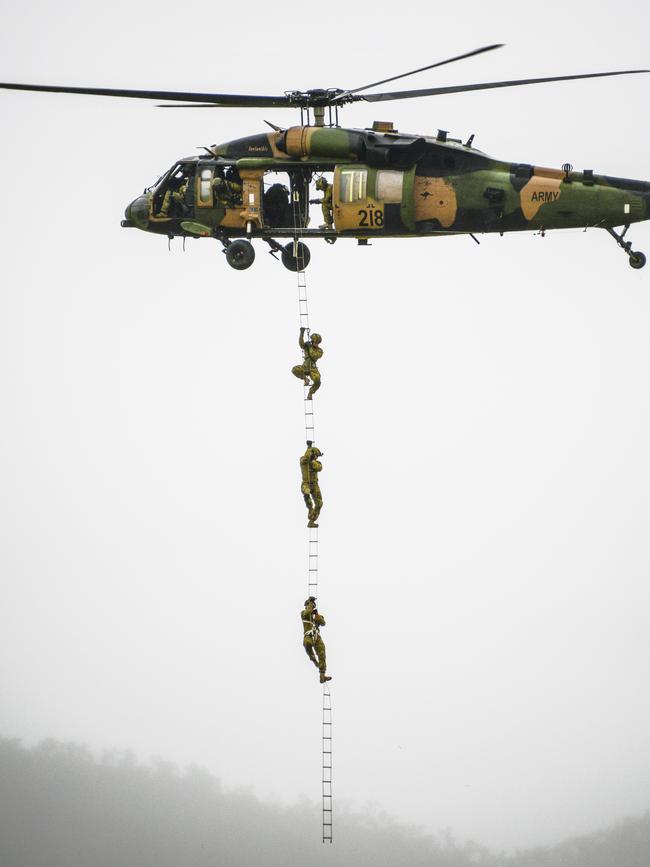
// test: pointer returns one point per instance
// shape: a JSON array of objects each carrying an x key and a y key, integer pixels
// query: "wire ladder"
[
  {"x": 327, "y": 765},
  {"x": 303, "y": 304},
  {"x": 312, "y": 538}
]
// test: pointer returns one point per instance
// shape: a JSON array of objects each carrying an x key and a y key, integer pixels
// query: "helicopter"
[{"x": 376, "y": 182}]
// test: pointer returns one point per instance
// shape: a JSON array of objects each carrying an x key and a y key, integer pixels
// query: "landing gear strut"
[{"x": 635, "y": 257}]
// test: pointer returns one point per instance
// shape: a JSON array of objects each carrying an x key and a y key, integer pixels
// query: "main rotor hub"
[{"x": 313, "y": 98}]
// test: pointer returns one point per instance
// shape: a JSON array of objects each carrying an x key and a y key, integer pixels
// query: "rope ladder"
[{"x": 312, "y": 532}]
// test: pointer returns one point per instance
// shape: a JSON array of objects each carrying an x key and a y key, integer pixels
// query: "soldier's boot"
[
  {"x": 324, "y": 677},
  {"x": 312, "y": 524}
]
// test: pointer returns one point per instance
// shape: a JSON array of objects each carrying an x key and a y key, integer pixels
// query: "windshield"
[{"x": 176, "y": 171}]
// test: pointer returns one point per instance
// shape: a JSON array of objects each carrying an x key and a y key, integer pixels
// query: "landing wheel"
[
  {"x": 240, "y": 254},
  {"x": 299, "y": 262},
  {"x": 637, "y": 259}
]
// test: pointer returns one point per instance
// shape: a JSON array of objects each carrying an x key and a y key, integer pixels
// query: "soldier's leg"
[
  {"x": 318, "y": 500},
  {"x": 315, "y": 378},
  {"x": 322, "y": 666},
  {"x": 164, "y": 208},
  {"x": 301, "y": 372},
  {"x": 309, "y": 649},
  {"x": 327, "y": 215},
  {"x": 306, "y": 495},
  {"x": 320, "y": 653},
  {"x": 312, "y": 514}
]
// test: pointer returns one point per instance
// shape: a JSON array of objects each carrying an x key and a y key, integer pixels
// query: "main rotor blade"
[
  {"x": 423, "y": 68},
  {"x": 462, "y": 88},
  {"x": 217, "y": 99}
]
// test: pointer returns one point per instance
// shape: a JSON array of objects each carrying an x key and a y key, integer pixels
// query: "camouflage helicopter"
[{"x": 382, "y": 182}]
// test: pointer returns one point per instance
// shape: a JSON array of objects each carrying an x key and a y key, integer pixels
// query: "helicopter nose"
[{"x": 137, "y": 213}]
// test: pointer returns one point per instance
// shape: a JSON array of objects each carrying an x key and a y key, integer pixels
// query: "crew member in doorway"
[
  {"x": 235, "y": 185},
  {"x": 312, "y": 642},
  {"x": 219, "y": 188},
  {"x": 325, "y": 202},
  {"x": 308, "y": 370},
  {"x": 310, "y": 467}
]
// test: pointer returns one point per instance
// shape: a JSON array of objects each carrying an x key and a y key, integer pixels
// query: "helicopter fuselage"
[{"x": 384, "y": 184}]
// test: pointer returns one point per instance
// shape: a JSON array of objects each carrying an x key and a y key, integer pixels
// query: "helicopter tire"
[
  {"x": 240, "y": 254},
  {"x": 292, "y": 262},
  {"x": 637, "y": 259}
]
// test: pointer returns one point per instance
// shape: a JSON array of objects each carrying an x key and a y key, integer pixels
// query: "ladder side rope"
[{"x": 312, "y": 539}]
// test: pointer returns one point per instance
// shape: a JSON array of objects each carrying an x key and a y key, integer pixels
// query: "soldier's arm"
[
  {"x": 320, "y": 620},
  {"x": 301, "y": 339}
]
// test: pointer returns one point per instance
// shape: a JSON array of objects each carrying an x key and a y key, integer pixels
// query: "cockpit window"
[
  {"x": 174, "y": 192},
  {"x": 174, "y": 175}
]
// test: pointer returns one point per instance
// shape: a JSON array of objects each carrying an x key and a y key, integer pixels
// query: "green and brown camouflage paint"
[{"x": 446, "y": 188}]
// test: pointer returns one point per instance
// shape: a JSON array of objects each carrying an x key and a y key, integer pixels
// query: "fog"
[
  {"x": 63, "y": 806},
  {"x": 484, "y": 416}
]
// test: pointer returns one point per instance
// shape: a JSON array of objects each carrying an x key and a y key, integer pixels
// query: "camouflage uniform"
[
  {"x": 308, "y": 369},
  {"x": 325, "y": 202},
  {"x": 235, "y": 186},
  {"x": 175, "y": 196},
  {"x": 220, "y": 190},
  {"x": 310, "y": 466},
  {"x": 312, "y": 642}
]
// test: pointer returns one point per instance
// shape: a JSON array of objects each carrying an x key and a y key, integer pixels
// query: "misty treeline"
[{"x": 60, "y": 806}]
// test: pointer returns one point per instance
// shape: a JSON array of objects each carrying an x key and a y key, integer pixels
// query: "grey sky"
[{"x": 484, "y": 416}]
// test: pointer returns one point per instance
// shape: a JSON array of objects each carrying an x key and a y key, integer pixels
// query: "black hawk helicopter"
[{"x": 375, "y": 182}]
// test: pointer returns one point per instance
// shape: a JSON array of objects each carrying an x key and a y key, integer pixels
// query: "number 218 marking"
[{"x": 373, "y": 218}]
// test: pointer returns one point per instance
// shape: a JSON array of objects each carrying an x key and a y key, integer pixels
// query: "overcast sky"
[{"x": 484, "y": 416}]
